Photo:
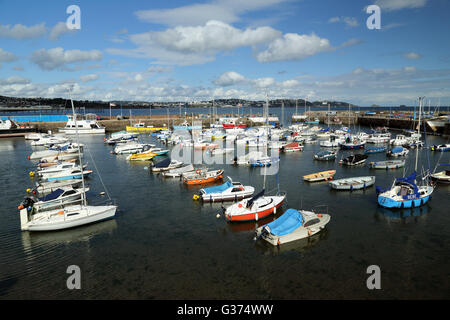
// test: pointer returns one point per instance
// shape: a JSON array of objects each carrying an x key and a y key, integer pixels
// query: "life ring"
[{"x": 198, "y": 171}]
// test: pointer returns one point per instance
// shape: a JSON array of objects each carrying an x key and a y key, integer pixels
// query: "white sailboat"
[{"x": 68, "y": 216}]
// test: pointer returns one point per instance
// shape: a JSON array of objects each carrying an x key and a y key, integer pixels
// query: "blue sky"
[{"x": 196, "y": 50}]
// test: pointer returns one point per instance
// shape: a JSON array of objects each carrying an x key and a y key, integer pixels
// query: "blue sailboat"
[{"x": 404, "y": 192}]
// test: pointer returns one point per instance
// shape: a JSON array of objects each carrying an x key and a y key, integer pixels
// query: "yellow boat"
[
  {"x": 140, "y": 127},
  {"x": 319, "y": 176},
  {"x": 143, "y": 156}
]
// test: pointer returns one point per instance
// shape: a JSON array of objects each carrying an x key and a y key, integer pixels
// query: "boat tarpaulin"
[
  {"x": 259, "y": 195},
  {"x": 52, "y": 196},
  {"x": 287, "y": 223},
  {"x": 397, "y": 149},
  {"x": 218, "y": 189},
  {"x": 163, "y": 164}
]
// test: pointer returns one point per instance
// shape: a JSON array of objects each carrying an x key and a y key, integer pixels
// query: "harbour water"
[{"x": 163, "y": 245}]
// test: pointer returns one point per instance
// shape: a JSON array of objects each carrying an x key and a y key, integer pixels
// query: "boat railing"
[{"x": 315, "y": 208}]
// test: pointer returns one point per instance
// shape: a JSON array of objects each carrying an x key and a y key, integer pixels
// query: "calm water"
[{"x": 163, "y": 245}]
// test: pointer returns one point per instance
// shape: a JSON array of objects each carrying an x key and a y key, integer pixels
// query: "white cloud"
[
  {"x": 393, "y": 5},
  {"x": 89, "y": 77},
  {"x": 194, "y": 45},
  {"x": 57, "y": 58},
  {"x": 229, "y": 78},
  {"x": 412, "y": 55},
  {"x": 228, "y": 11},
  {"x": 349, "y": 21},
  {"x": 14, "y": 80},
  {"x": 264, "y": 82},
  {"x": 293, "y": 46},
  {"x": 59, "y": 29},
  {"x": 6, "y": 56},
  {"x": 21, "y": 32}
]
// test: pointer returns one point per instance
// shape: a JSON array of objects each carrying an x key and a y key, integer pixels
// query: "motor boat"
[
  {"x": 229, "y": 191},
  {"x": 353, "y": 183},
  {"x": 354, "y": 160},
  {"x": 400, "y": 140},
  {"x": 142, "y": 156},
  {"x": 442, "y": 176},
  {"x": 292, "y": 147},
  {"x": 202, "y": 176},
  {"x": 178, "y": 172},
  {"x": 166, "y": 164},
  {"x": 320, "y": 176},
  {"x": 352, "y": 143},
  {"x": 397, "y": 152},
  {"x": 325, "y": 155},
  {"x": 74, "y": 173},
  {"x": 441, "y": 147},
  {"x": 47, "y": 140},
  {"x": 258, "y": 207},
  {"x": 131, "y": 147},
  {"x": 58, "y": 168},
  {"x": 82, "y": 126},
  {"x": 245, "y": 159},
  {"x": 45, "y": 187},
  {"x": 121, "y": 137},
  {"x": 386, "y": 165},
  {"x": 292, "y": 225}
]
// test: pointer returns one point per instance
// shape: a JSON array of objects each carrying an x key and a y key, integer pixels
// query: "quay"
[{"x": 398, "y": 121}]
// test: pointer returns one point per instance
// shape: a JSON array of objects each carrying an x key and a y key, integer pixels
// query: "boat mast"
[
  {"x": 79, "y": 153},
  {"x": 267, "y": 123},
  {"x": 418, "y": 131}
]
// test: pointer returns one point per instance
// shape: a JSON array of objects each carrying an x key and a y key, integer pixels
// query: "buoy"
[
  {"x": 195, "y": 197},
  {"x": 218, "y": 216},
  {"x": 31, "y": 174},
  {"x": 102, "y": 193},
  {"x": 278, "y": 242},
  {"x": 20, "y": 207},
  {"x": 319, "y": 215},
  {"x": 61, "y": 212},
  {"x": 28, "y": 190}
]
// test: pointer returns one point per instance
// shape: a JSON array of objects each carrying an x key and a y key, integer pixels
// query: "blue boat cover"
[
  {"x": 287, "y": 223},
  {"x": 163, "y": 164},
  {"x": 218, "y": 189},
  {"x": 410, "y": 180},
  {"x": 397, "y": 149},
  {"x": 51, "y": 196}
]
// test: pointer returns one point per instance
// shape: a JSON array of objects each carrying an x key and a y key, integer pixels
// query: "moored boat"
[
  {"x": 202, "y": 176},
  {"x": 178, "y": 172},
  {"x": 229, "y": 191},
  {"x": 375, "y": 150},
  {"x": 397, "y": 152},
  {"x": 390, "y": 164},
  {"x": 353, "y": 183},
  {"x": 325, "y": 155},
  {"x": 291, "y": 147},
  {"x": 354, "y": 160},
  {"x": 292, "y": 225},
  {"x": 441, "y": 147},
  {"x": 166, "y": 165},
  {"x": 253, "y": 209},
  {"x": 320, "y": 176}
]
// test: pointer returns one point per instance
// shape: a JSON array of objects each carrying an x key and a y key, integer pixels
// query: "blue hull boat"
[{"x": 375, "y": 150}]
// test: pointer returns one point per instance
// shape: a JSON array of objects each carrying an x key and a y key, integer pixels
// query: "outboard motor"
[{"x": 27, "y": 203}]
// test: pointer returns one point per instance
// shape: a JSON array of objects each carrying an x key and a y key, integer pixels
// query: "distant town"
[{"x": 18, "y": 103}]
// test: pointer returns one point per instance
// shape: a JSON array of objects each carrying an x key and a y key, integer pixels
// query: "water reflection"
[
  {"x": 402, "y": 215},
  {"x": 36, "y": 240},
  {"x": 300, "y": 246}
]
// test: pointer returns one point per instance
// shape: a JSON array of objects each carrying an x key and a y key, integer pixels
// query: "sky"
[{"x": 212, "y": 49}]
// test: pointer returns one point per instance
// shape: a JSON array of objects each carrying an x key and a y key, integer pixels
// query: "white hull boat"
[
  {"x": 178, "y": 172},
  {"x": 69, "y": 217},
  {"x": 386, "y": 165},
  {"x": 354, "y": 183},
  {"x": 229, "y": 191},
  {"x": 292, "y": 225}
]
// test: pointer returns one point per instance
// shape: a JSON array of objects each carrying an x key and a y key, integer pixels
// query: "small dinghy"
[
  {"x": 202, "y": 176},
  {"x": 354, "y": 183},
  {"x": 325, "y": 155},
  {"x": 178, "y": 172},
  {"x": 397, "y": 152},
  {"x": 320, "y": 176},
  {"x": 375, "y": 150},
  {"x": 442, "y": 147},
  {"x": 354, "y": 160},
  {"x": 229, "y": 191},
  {"x": 386, "y": 165},
  {"x": 292, "y": 225},
  {"x": 166, "y": 165},
  {"x": 442, "y": 176},
  {"x": 255, "y": 208},
  {"x": 292, "y": 147}
]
